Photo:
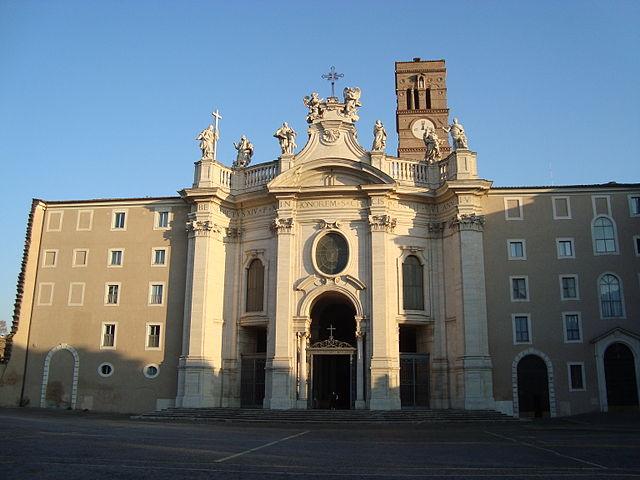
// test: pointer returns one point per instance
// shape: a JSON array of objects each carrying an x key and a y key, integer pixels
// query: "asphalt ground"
[{"x": 43, "y": 444}]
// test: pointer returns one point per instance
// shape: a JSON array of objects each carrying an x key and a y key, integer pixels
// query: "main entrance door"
[
  {"x": 331, "y": 353},
  {"x": 533, "y": 387},
  {"x": 620, "y": 374}
]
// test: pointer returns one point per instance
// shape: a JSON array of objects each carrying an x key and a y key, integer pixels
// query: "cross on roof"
[
  {"x": 331, "y": 328},
  {"x": 332, "y": 76}
]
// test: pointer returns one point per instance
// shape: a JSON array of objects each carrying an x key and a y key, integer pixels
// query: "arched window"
[
  {"x": 610, "y": 296},
  {"x": 255, "y": 286},
  {"x": 427, "y": 98},
  {"x": 412, "y": 284},
  {"x": 409, "y": 99},
  {"x": 604, "y": 235},
  {"x": 416, "y": 99}
]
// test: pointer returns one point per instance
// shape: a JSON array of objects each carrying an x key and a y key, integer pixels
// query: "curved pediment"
[{"x": 329, "y": 173}]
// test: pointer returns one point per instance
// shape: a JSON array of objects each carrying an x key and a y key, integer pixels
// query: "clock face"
[{"x": 420, "y": 126}]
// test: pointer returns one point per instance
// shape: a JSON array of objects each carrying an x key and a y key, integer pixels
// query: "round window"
[
  {"x": 151, "y": 371},
  {"x": 105, "y": 370},
  {"x": 332, "y": 253}
]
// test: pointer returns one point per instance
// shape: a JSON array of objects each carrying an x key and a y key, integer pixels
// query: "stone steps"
[{"x": 327, "y": 416}]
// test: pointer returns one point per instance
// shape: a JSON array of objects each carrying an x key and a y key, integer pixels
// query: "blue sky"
[{"x": 104, "y": 98}]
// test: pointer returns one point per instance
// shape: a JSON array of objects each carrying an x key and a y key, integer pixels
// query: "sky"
[{"x": 105, "y": 98}]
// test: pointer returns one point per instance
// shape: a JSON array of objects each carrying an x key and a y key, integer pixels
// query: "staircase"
[{"x": 327, "y": 416}]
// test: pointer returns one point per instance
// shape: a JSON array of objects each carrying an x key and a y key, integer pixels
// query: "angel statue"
[
  {"x": 432, "y": 142},
  {"x": 207, "y": 138},
  {"x": 245, "y": 152},
  {"x": 379, "y": 137},
  {"x": 351, "y": 102},
  {"x": 458, "y": 136},
  {"x": 314, "y": 104},
  {"x": 287, "y": 138}
]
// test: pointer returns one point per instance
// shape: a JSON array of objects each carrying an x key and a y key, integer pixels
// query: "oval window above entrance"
[{"x": 332, "y": 253}]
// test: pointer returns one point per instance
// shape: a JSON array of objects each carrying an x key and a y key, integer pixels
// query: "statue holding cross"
[{"x": 209, "y": 138}]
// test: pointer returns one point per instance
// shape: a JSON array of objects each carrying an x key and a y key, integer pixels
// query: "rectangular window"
[
  {"x": 572, "y": 327},
  {"x": 521, "y": 328},
  {"x": 519, "y": 289},
  {"x": 634, "y": 205},
  {"x": 516, "y": 250},
  {"x": 561, "y": 208},
  {"x": 45, "y": 294},
  {"x": 565, "y": 247},
  {"x": 116, "y": 257},
  {"x": 80, "y": 257},
  {"x": 76, "y": 294},
  {"x": 162, "y": 219},
  {"x": 54, "y": 221},
  {"x": 156, "y": 294},
  {"x": 119, "y": 220},
  {"x": 85, "y": 220},
  {"x": 569, "y": 287},
  {"x": 108, "y": 335},
  {"x": 576, "y": 377},
  {"x": 159, "y": 257},
  {"x": 601, "y": 205},
  {"x": 636, "y": 245},
  {"x": 513, "y": 208},
  {"x": 153, "y": 336},
  {"x": 49, "y": 258},
  {"x": 112, "y": 294}
]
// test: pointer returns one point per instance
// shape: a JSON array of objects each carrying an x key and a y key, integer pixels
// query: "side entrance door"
[
  {"x": 252, "y": 381},
  {"x": 414, "y": 380}
]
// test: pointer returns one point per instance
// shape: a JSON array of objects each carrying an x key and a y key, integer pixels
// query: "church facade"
[{"x": 335, "y": 277}]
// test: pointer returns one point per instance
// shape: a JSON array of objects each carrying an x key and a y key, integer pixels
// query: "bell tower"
[{"x": 421, "y": 94}]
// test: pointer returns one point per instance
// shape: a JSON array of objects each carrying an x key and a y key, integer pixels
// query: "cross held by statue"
[
  {"x": 332, "y": 77},
  {"x": 216, "y": 117}
]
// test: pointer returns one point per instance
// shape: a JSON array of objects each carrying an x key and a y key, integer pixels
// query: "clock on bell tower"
[{"x": 421, "y": 94}]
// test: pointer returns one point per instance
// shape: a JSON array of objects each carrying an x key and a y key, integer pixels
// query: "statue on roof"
[
  {"x": 314, "y": 103},
  {"x": 245, "y": 152},
  {"x": 379, "y": 137},
  {"x": 207, "y": 138},
  {"x": 351, "y": 102},
  {"x": 458, "y": 135},
  {"x": 287, "y": 138},
  {"x": 432, "y": 143}
]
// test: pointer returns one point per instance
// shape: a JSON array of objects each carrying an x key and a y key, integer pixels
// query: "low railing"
[
  {"x": 407, "y": 171},
  {"x": 260, "y": 174},
  {"x": 225, "y": 177}
]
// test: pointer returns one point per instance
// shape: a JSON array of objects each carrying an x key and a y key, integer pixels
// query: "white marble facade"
[{"x": 385, "y": 208}]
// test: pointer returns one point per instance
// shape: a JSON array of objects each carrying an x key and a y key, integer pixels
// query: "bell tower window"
[
  {"x": 409, "y": 99},
  {"x": 416, "y": 98}
]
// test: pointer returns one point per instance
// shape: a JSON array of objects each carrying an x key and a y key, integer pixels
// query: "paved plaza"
[{"x": 67, "y": 445}]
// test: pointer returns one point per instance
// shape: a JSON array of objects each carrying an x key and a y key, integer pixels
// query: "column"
[
  {"x": 360, "y": 403},
  {"x": 281, "y": 394},
  {"x": 385, "y": 370},
  {"x": 199, "y": 367},
  {"x": 303, "y": 370}
]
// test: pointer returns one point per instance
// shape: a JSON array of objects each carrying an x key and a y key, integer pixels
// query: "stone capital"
[
  {"x": 201, "y": 228},
  {"x": 282, "y": 225},
  {"x": 382, "y": 223},
  {"x": 467, "y": 222}
]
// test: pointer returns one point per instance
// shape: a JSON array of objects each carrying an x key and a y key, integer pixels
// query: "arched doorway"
[
  {"x": 620, "y": 376},
  {"x": 60, "y": 378},
  {"x": 332, "y": 352},
  {"x": 533, "y": 387}
]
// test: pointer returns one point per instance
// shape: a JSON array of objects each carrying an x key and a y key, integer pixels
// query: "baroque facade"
[{"x": 335, "y": 277}]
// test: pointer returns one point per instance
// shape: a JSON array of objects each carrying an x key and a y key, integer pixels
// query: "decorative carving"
[
  {"x": 322, "y": 224},
  {"x": 379, "y": 137},
  {"x": 380, "y": 223},
  {"x": 282, "y": 225},
  {"x": 315, "y": 105},
  {"x": 331, "y": 343},
  {"x": 330, "y": 135},
  {"x": 351, "y": 102},
  {"x": 412, "y": 248},
  {"x": 467, "y": 222},
  {"x": 287, "y": 138},
  {"x": 207, "y": 138},
  {"x": 234, "y": 233},
  {"x": 458, "y": 135},
  {"x": 245, "y": 152},
  {"x": 201, "y": 227},
  {"x": 432, "y": 143}
]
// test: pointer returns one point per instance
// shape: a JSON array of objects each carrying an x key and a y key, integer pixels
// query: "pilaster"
[{"x": 385, "y": 369}]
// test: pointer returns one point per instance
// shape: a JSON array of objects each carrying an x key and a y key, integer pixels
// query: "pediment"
[{"x": 329, "y": 173}]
